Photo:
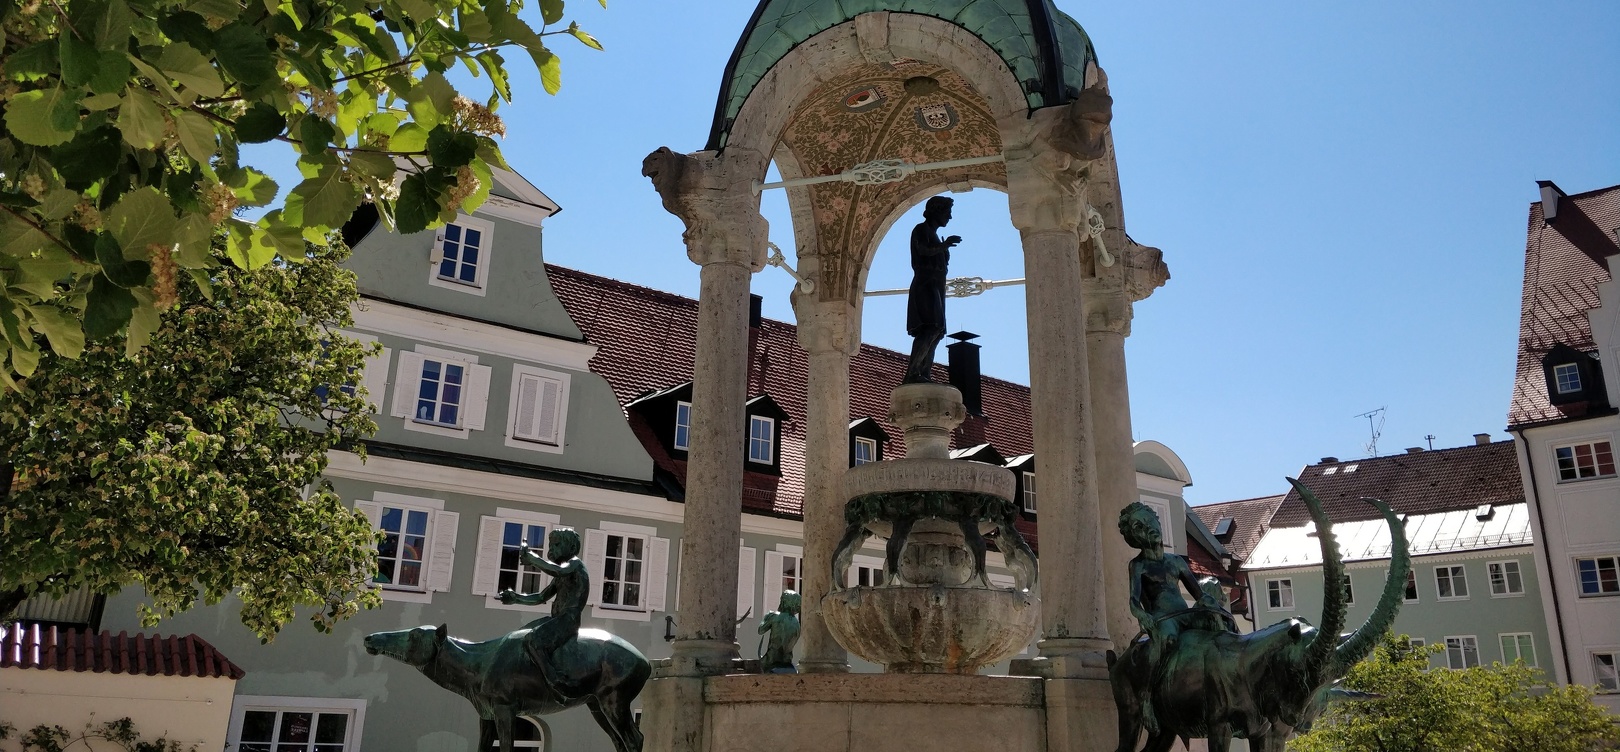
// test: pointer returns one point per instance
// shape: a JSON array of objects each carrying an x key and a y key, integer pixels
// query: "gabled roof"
[
  {"x": 1250, "y": 520},
  {"x": 1560, "y": 286},
  {"x": 1439, "y": 480},
  {"x": 1502, "y": 526},
  {"x": 25, "y": 645}
]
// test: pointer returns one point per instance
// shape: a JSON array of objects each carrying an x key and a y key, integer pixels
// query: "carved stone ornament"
[
  {"x": 1049, "y": 157},
  {"x": 713, "y": 195},
  {"x": 1145, "y": 271}
]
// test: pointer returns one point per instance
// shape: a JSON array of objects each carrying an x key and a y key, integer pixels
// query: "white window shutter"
[
  {"x": 372, "y": 510},
  {"x": 745, "y": 579},
  {"x": 375, "y": 379},
  {"x": 444, "y": 550},
  {"x": 773, "y": 579},
  {"x": 595, "y": 559},
  {"x": 528, "y": 407},
  {"x": 657, "y": 585},
  {"x": 486, "y": 572},
  {"x": 406, "y": 380},
  {"x": 475, "y": 403}
]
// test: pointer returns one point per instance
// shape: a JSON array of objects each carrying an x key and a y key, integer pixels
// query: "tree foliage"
[
  {"x": 120, "y": 156},
  {"x": 184, "y": 467},
  {"x": 1496, "y": 708},
  {"x": 120, "y": 733}
]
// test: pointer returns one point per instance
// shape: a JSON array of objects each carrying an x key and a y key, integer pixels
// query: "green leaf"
[
  {"x": 140, "y": 120},
  {"x": 261, "y": 123},
  {"x": 31, "y": 63},
  {"x": 107, "y": 308},
  {"x": 550, "y": 70},
  {"x": 224, "y": 10},
  {"x": 196, "y": 135},
  {"x": 24, "y": 360},
  {"x": 372, "y": 165},
  {"x": 189, "y": 27},
  {"x": 111, "y": 22},
  {"x": 420, "y": 11},
  {"x": 431, "y": 99},
  {"x": 18, "y": 238},
  {"x": 448, "y": 148},
  {"x": 485, "y": 182},
  {"x": 89, "y": 157},
  {"x": 195, "y": 234},
  {"x": 410, "y": 137},
  {"x": 323, "y": 200},
  {"x": 204, "y": 284},
  {"x": 58, "y": 203},
  {"x": 141, "y": 218},
  {"x": 418, "y": 204},
  {"x": 60, "y": 329},
  {"x": 315, "y": 133},
  {"x": 249, "y": 246},
  {"x": 490, "y": 152},
  {"x": 551, "y": 11},
  {"x": 161, "y": 81},
  {"x": 245, "y": 53},
  {"x": 475, "y": 24},
  {"x": 43, "y": 117},
  {"x": 580, "y": 34},
  {"x": 188, "y": 66},
  {"x": 252, "y": 188},
  {"x": 143, "y": 321},
  {"x": 111, "y": 76},
  {"x": 495, "y": 66},
  {"x": 79, "y": 61},
  {"x": 116, "y": 268},
  {"x": 287, "y": 239},
  {"x": 99, "y": 102}
]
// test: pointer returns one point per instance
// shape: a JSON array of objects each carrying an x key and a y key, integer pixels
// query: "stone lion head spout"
[{"x": 667, "y": 170}]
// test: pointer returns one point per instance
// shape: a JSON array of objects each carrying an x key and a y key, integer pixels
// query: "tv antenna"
[
  {"x": 1430, "y": 439},
  {"x": 1375, "y": 427}
]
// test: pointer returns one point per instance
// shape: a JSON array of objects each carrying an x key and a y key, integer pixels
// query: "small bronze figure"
[
  {"x": 925, "y": 303},
  {"x": 783, "y": 627}
]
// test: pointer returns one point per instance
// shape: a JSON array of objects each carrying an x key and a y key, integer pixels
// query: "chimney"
[
  {"x": 755, "y": 311},
  {"x": 1481, "y": 439},
  {"x": 1413, "y": 450},
  {"x": 757, "y": 360},
  {"x": 1328, "y": 460},
  {"x": 964, "y": 367}
]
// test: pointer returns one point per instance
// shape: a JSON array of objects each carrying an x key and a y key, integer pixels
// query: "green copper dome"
[{"x": 1045, "y": 49}]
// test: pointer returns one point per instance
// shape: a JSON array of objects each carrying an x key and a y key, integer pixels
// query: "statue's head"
[
  {"x": 1212, "y": 588},
  {"x": 562, "y": 545},
  {"x": 416, "y": 647},
  {"x": 1140, "y": 526},
  {"x": 789, "y": 604},
  {"x": 938, "y": 209}
]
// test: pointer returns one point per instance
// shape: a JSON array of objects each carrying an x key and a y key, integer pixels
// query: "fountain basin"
[{"x": 931, "y": 629}]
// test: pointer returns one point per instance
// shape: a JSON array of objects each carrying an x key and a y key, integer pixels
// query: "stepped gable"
[
  {"x": 1250, "y": 520},
  {"x": 1440, "y": 480},
  {"x": 646, "y": 339},
  {"x": 1560, "y": 286},
  {"x": 26, "y": 645}
]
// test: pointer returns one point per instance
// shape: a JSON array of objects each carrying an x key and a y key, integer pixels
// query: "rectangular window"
[
  {"x": 1598, "y": 575},
  {"x": 403, "y": 551},
  {"x": 539, "y": 400},
  {"x": 1462, "y": 652},
  {"x": 792, "y": 573},
  {"x": 1450, "y": 582},
  {"x": 1349, "y": 592},
  {"x": 1280, "y": 594},
  {"x": 1411, "y": 586},
  {"x": 1029, "y": 492},
  {"x": 622, "y": 570},
  {"x": 1568, "y": 376},
  {"x": 438, "y": 397},
  {"x": 1593, "y": 459},
  {"x": 1518, "y": 646},
  {"x": 1604, "y": 671},
  {"x": 683, "y": 425},
  {"x": 462, "y": 252},
  {"x": 295, "y": 724},
  {"x": 1505, "y": 578},
  {"x": 513, "y": 573},
  {"x": 1416, "y": 642},
  {"x": 761, "y": 439},
  {"x": 866, "y": 450},
  {"x": 868, "y": 576}
]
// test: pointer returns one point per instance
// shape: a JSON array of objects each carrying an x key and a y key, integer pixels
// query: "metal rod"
[
  {"x": 956, "y": 287},
  {"x": 878, "y": 172}
]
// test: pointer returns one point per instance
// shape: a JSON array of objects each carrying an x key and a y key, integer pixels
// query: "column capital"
[
  {"x": 1050, "y": 155},
  {"x": 713, "y": 195}
]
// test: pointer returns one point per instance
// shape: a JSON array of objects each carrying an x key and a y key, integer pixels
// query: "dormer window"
[
  {"x": 1567, "y": 378},
  {"x": 461, "y": 255},
  {"x": 761, "y": 440},
  {"x": 1572, "y": 376},
  {"x": 866, "y": 450},
  {"x": 866, "y": 440},
  {"x": 683, "y": 425},
  {"x": 1023, "y": 468},
  {"x": 1029, "y": 492},
  {"x": 765, "y": 419}
]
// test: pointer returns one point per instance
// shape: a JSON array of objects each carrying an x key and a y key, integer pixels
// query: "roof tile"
[
  {"x": 1440, "y": 480},
  {"x": 31, "y": 645}
]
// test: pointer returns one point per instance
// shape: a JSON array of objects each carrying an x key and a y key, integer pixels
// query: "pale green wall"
[{"x": 1481, "y": 615}]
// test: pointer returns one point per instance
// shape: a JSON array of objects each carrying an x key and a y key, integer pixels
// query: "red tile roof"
[
  {"x": 1440, "y": 480},
  {"x": 646, "y": 339},
  {"x": 26, "y": 645},
  {"x": 1250, "y": 520},
  {"x": 1560, "y": 286}
]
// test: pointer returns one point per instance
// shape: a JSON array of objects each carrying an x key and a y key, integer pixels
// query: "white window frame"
[
  {"x": 438, "y": 561},
  {"x": 539, "y": 728},
  {"x": 491, "y": 543},
  {"x": 1502, "y": 642},
  {"x": 374, "y": 374},
  {"x": 624, "y": 580},
  {"x": 870, "y": 444},
  {"x": 481, "y": 275},
  {"x": 1029, "y": 494},
  {"x": 1609, "y": 684},
  {"x": 1416, "y": 642},
  {"x": 241, "y": 704},
  {"x": 1349, "y": 590},
  {"x": 655, "y": 570},
  {"x": 775, "y": 579},
  {"x": 537, "y": 443},
  {"x": 1558, "y": 377},
  {"x": 1285, "y": 586},
  {"x": 769, "y": 441},
  {"x": 873, "y": 565},
  {"x": 1613, "y": 559},
  {"x": 1572, "y": 446},
  {"x": 1411, "y": 578},
  {"x": 475, "y": 386},
  {"x": 1491, "y": 568},
  {"x": 1463, "y": 642},
  {"x": 1451, "y": 571},
  {"x": 675, "y": 440}
]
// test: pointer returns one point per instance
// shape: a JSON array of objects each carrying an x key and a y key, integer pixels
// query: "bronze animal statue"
[
  {"x": 1261, "y": 686},
  {"x": 499, "y": 679}
]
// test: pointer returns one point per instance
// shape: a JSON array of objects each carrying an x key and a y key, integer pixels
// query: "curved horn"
[
  {"x": 1389, "y": 602},
  {"x": 1333, "y": 603}
]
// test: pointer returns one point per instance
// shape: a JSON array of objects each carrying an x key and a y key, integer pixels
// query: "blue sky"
[{"x": 1340, "y": 190}]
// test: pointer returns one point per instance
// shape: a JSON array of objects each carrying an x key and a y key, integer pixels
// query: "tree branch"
[{"x": 47, "y": 233}]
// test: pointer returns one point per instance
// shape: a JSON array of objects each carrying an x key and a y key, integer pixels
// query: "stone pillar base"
[{"x": 1080, "y": 715}]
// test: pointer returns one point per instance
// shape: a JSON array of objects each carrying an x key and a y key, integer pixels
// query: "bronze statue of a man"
[
  {"x": 925, "y": 303},
  {"x": 783, "y": 626},
  {"x": 550, "y": 637}
]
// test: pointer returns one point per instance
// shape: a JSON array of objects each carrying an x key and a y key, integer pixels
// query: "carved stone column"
[
  {"x": 726, "y": 236},
  {"x": 825, "y": 333}
]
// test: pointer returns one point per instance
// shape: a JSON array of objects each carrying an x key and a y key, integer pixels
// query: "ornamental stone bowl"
[{"x": 931, "y": 629}]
